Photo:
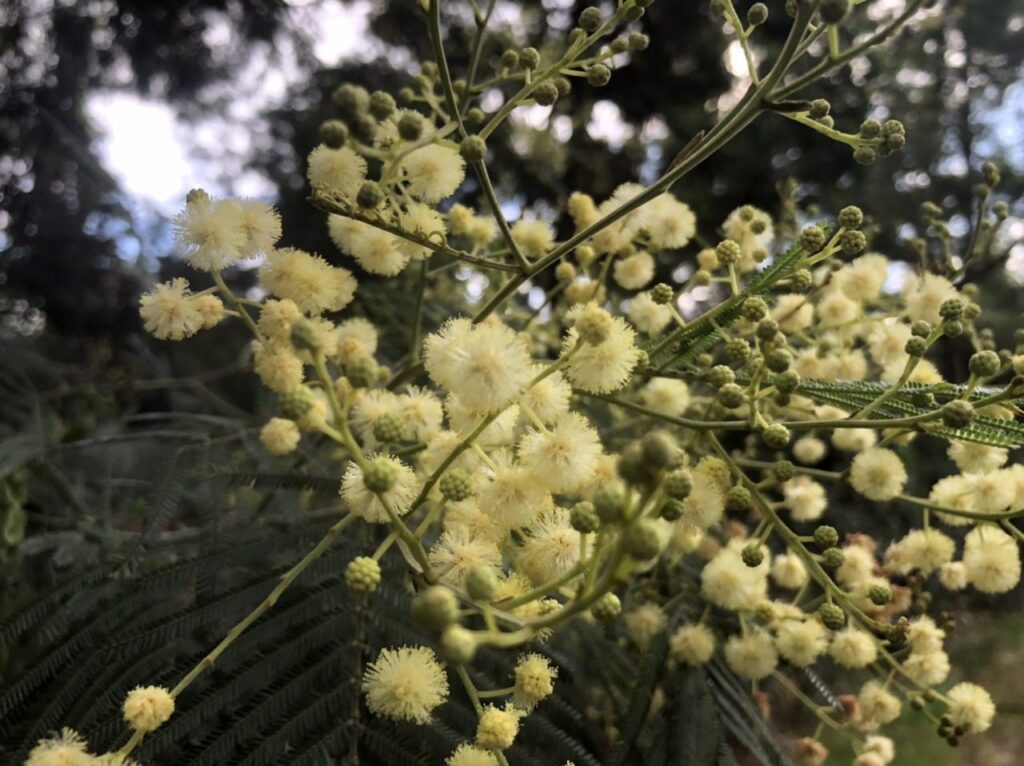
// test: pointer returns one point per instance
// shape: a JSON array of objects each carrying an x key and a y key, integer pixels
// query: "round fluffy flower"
[
  {"x": 467, "y": 755},
  {"x": 367, "y": 504},
  {"x": 793, "y": 312},
  {"x": 607, "y": 366},
  {"x": 922, "y": 549},
  {"x": 486, "y": 365},
  {"x": 666, "y": 396},
  {"x": 753, "y": 656},
  {"x": 858, "y": 565},
  {"x": 809, "y": 450},
  {"x": 147, "y": 707},
  {"x": 534, "y": 237},
  {"x": 377, "y": 251},
  {"x": 881, "y": 747},
  {"x": 927, "y": 669},
  {"x": 878, "y": 474},
  {"x": 280, "y": 436},
  {"x": 862, "y": 279},
  {"x": 210, "y": 308},
  {"x": 635, "y": 271},
  {"x": 563, "y": 458},
  {"x": 970, "y": 706},
  {"x": 971, "y": 457},
  {"x": 924, "y": 636},
  {"x": 339, "y": 170},
  {"x": 549, "y": 397},
  {"x": 433, "y": 172},
  {"x": 308, "y": 280},
  {"x": 497, "y": 727},
  {"x": 405, "y": 684},
  {"x": 513, "y": 497},
  {"x": 752, "y": 230},
  {"x": 422, "y": 413},
  {"x": 459, "y": 551},
  {"x": 212, "y": 234},
  {"x": 170, "y": 312},
  {"x": 953, "y": 492},
  {"x": 804, "y": 498},
  {"x": 704, "y": 506},
  {"x": 355, "y": 336},
  {"x": 926, "y": 294},
  {"x": 854, "y": 439},
  {"x": 992, "y": 559},
  {"x": 277, "y": 365},
  {"x": 887, "y": 343},
  {"x": 648, "y": 317},
  {"x": 692, "y": 644},
  {"x": 551, "y": 547},
  {"x": 853, "y": 648},
  {"x": 535, "y": 680},
  {"x": 643, "y": 623},
  {"x": 953, "y": 576},
  {"x": 991, "y": 492},
  {"x": 727, "y": 582},
  {"x": 262, "y": 226},
  {"x": 465, "y": 421},
  {"x": 801, "y": 642},
  {"x": 66, "y": 749},
  {"x": 423, "y": 222},
  {"x": 789, "y": 572},
  {"x": 669, "y": 223},
  {"x": 878, "y": 705},
  {"x": 835, "y": 309}
]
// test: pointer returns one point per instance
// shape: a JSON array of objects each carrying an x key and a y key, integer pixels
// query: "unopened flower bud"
[
  {"x": 435, "y": 608},
  {"x": 334, "y": 133},
  {"x": 458, "y": 645},
  {"x": 583, "y": 518},
  {"x": 598, "y": 75},
  {"x": 382, "y": 105},
  {"x": 738, "y": 498},
  {"x": 662, "y": 294},
  {"x": 606, "y": 608},
  {"x": 832, "y": 559},
  {"x": 641, "y": 540},
  {"x": 370, "y": 195},
  {"x": 851, "y": 217},
  {"x": 481, "y": 583},
  {"x": 957, "y": 414},
  {"x": 590, "y": 19},
  {"x": 812, "y": 239},
  {"x": 388, "y": 428},
  {"x": 757, "y": 14},
  {"x": 752, "y": 554},
  {"x": 984, "y": 364},
  {"x": 362, "y": 574},
  {"x": 410, "y": 126},
  {"x": 455, "y": 485},
  {"x": 832, "y": 616},
  {"x": 826, "y": 536}
]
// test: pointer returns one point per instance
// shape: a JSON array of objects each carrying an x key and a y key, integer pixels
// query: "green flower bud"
[
  {"x": 990, "y": 172},
  {"x": 778, "y": 360},
  {"x": 957, "y": 414},
  {"x": 563, "y": 85},
  {"x": 738, "y": 498},
  {"x": 826, "y": 536},
  {"x": 731, "y": 396},
  {"x": 334, "y": 133},
  {"x": 362, "y": 371},
  {"x": 633, "y": 466},
  {"x": 851, "y": 217},
  {"x": 852, "y": 242},
  {"x": 610, "y": 502},
  {"x": 833, "y": 11},
  {"x": 916, "y": 346},
  {"x": 410, "y": 126},
  {"x": 783, "y": 470},
  {"x": 719, "y": 375},
  {"x": 370, "y": 195},
  {"x": 880, "y": 595},
  {"x": 921, "y": 329},
  {"x": 458, "y": 645},
  {"x": 737, "y": 349},
  {"x": 832, "y": 616},
  {"x": 634, "y": 13},
  {"x": 545, "y": 94},
  {"x": 529, "y": 58},
  {"x": 606, "y": 608},
  {"x": 728, "y": 251},
  {"x": 362, "y": 574},
  {"x": 303, "y": 336},
  {"x": 677, "y": 484},
  {"x": 475, "y": 116},
  {"x": 832, "y": 559},
  {"x": 388, "y": 428},
  {"x": 296, "y": 403},
  {"x": 819, "y": 108},
  {"x": 865, "y": 155},
  {"x": 951, "y": 308},
  {"x": 776, "y": 436},
  {"x": 893, "y": 128},
  {"x": 455, "y": 485},
  {"x": 659, "y": 449},
  {"x": 953, "y": 328},
  {"x": 435, "y": 608},
  {"x": 382, "y": 105},
  {"x": 481, "y": 583},
  {"x": 672, "y": 510},
  {"x": 972, "y": 310},
  {"x": 641, "y": 540},
  {"x": 767, "y": 329},
  {"x": 364, "y": 128},
  {"x": 754, "y": 309},
  {"x": 619, "y": 45},
  {"x": 984, "y": 364},
  {"x": 870, "y": 129},
  {"x": 350, "y": 100},
  {"x": 702, "y": 277},
  {"x": 662, "y": 294},
  {"x": 590, "y": 19},
  {"x": 752, "y": 554},
  {"x": 786, "y": 382},
  {"x": 598, "y": 75},
  {"x": 583, "y": 518},
  {"x": 812, "y": 239},
  {"x": 473, "y": 149},
  {"x": 510, "y": 59},
  {"x": 757, "y": 14},
  {"x": 638, "y": 41},
  {"x": 895, "y": 141},
  {"x": 380, "y": 475}
]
